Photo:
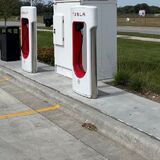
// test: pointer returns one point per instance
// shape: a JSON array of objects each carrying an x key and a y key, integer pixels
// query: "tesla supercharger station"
[
  {"x": 84, "y": 26},
  {"x": 29, "y": 38},
  {"x": 106, "y": 36}
]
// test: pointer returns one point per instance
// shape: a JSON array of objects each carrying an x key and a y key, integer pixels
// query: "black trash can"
[{"x": 10, "y": 43}]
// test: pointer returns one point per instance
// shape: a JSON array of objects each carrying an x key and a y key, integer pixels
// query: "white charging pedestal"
[
  {"x": 84, "y": 26},
  {"x": 29, "y": 38}
]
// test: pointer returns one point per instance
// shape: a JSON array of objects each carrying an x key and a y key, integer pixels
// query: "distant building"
[{"x": 142, "y": 13}]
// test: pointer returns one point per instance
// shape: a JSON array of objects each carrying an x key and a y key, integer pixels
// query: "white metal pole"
[{"x": 31, "y": 2}]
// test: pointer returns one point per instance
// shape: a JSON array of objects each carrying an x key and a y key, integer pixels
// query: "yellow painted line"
[
  {"x": 5, "y": 78},
  {"x": 29, "y": 112}
]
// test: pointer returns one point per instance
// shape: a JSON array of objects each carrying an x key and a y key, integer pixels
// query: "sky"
[{"x": 134, "y": 2}]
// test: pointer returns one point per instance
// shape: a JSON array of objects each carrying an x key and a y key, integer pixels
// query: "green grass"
[
  {"x": 45, "y": 47},
  {"x": 140, "y": 63},
  {"x": 45, "y": 40},
  {"x": 139, "y": 34}
]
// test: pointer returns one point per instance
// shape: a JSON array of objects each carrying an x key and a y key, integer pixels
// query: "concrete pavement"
[
  {"x": 127, "y": 118},
  {"x": 52, "y": 134},
  {"x": 34, "y": 137}
]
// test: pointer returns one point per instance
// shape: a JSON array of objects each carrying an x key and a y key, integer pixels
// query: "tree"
[
  {"x": 34, "y": 2},
  {"x": 38, "y": 3},
  {"x": 135, "y": 9},
  {"x": 48, "y": 8},
  {"x": 142, "y": 6},
  {"x": 154, "y": 9},
  {"x": 8, "y": 8}
]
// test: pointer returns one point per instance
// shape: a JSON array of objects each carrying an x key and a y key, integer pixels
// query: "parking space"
[
  {"x": 33, "y": 128},
  {"x": 26, "y": 134}
]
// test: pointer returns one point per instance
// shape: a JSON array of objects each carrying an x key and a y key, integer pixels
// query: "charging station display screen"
[
  {"x": 25, "y": 37},
  {"x": 77, "y": 49}
]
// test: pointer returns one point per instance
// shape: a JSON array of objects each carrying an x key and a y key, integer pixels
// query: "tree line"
[
  {"x": 42, "y": 8},
  {"x": 10, "y": 8},
  {"x": 135, "y": 9}
]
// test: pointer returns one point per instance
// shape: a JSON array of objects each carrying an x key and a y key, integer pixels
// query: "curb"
[{"x": 135, "y": 140}]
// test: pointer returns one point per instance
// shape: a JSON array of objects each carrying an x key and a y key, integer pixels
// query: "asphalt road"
[
  {"x": 32, "y": 128},
  {"x": 11, "y": 23},
  {"x": 146, "y": 30}
]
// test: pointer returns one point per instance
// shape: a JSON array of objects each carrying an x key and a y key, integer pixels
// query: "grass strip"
[
  {"x": 138, "y": 65},
  {"x": 45, "y": 47}
]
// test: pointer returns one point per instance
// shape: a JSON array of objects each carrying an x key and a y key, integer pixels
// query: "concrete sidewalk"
[{"x": 140, "y": 114}]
